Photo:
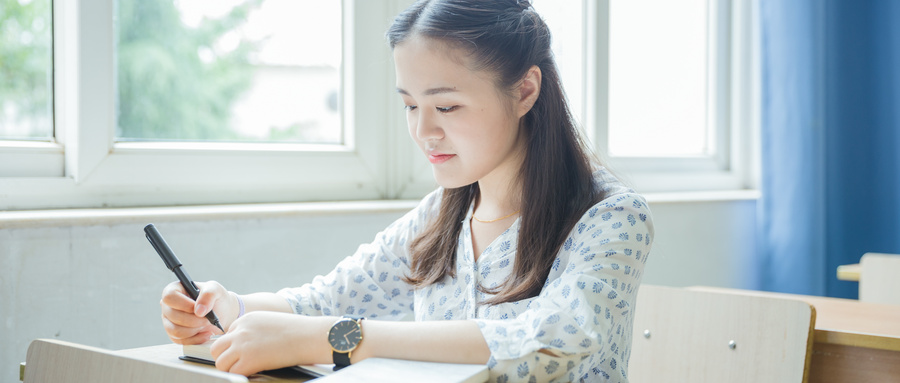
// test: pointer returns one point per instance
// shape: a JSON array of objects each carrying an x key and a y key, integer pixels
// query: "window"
[
  {"x": 177, "y": 102},
  {"x": 26, "y": 94},
  {"x": 671, "y": 101},
  {"x": 235, "y": 71},
  {"x": 27, "y": 142},
  {"x": 116, "y": 145},
  {"x": 663, "y": 70},
  {"x": 667, "y": 111}
]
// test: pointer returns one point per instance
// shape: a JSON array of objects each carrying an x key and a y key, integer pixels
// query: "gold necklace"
[{"x": 498, "y": 219}]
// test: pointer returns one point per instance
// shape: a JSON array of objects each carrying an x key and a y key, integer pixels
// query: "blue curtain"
[{"x": 830, "y": 140}]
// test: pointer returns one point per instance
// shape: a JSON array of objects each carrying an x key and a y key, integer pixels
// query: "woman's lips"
[{"x": 440, "y": 158}]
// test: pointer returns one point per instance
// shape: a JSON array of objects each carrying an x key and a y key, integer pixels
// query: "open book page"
[
  {"x": 200, "y": 353},
  {"x": 399, "y": 371}
]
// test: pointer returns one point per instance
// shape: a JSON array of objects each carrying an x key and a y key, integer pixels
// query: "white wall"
[
  {"x": 99, "y": 282},
  {"x": 703, "y": 243}
]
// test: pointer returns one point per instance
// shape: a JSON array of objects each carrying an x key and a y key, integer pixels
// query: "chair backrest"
[
  {"x": 879, "y": 279},
  {"x": 684, "y": 335},
  {"x": 57, "y": 361}
]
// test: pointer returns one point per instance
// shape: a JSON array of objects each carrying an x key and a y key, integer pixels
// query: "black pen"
[{"x": 174, "y": 264}]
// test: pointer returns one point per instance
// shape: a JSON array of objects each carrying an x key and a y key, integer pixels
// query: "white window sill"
[
  {"x": 114, "y": 216},
  {"x": 144, "y": 215},
  {"x": 702, "y": 196}
]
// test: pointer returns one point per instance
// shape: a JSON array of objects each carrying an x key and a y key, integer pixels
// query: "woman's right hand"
[{"x": 185, "y": 320}]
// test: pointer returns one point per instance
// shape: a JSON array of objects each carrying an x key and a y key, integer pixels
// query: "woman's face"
[{"x": 466, "y": 127}]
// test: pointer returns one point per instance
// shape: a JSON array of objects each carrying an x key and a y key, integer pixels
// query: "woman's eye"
[
  {"x": 410, "y": 108},
  {"x": 446, "y": 109}
]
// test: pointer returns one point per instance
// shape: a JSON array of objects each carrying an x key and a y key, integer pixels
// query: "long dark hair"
[{"x": 507, "y": 38}]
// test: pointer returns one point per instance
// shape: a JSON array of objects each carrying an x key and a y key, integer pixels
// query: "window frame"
[
  {"x": 731, "y": 89},
  {"x": 34, "y": 158},
  {"x": 85, "y": 168},
  {"x": 735, "y": 165},
  {"x": 91, "y": 170},
  {"x": 30, "y": 159}
]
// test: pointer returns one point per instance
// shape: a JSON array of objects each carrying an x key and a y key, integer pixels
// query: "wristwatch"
[{"x": 344, "y": 336}]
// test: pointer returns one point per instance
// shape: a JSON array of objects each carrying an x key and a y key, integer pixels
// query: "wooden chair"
[
  {"x": 684, "y": 335},
  {"x": 57, "y": 361},
  {"x": 879, "y": 280}
]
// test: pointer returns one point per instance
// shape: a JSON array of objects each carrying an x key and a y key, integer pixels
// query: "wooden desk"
[
  {"x": 849, "y": 272},
  {"x": 51, "y": 360},
  {"x": 854, "y": 341},
  {"x": 169, "y": 353}
]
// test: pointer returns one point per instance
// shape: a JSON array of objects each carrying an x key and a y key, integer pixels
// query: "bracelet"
[{"x": 240, "y": 305}]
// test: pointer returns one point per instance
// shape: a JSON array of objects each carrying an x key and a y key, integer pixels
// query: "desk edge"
[{"x": 855, "y": 339}]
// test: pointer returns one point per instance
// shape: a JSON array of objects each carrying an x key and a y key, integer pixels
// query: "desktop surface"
[{"x": 169, "y": 353}]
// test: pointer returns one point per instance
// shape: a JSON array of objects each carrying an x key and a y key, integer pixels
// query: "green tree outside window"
[
  {"x": 26, "y": 69},
  {"x": 172, "y": 84}
]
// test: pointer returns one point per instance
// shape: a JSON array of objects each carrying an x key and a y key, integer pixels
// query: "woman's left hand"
[{"x": 262, "y": 341}]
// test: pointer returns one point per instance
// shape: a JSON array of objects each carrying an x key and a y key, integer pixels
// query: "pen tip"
[{"x": 220, "y": 327}]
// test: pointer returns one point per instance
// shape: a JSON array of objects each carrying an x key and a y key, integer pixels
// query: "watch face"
[{"x": 344, "y": 335}]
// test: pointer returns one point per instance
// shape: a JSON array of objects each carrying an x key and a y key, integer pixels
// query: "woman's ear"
[{"x": 529, "y": 90}]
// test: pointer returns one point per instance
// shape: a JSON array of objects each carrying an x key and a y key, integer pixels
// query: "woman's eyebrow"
[{"x": 430, "y": 92}]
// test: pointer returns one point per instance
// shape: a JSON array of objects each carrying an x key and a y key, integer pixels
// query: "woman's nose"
[{"x": 427, "y": 127}]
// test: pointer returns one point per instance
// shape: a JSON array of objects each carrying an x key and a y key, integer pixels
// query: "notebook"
[
  {"x": 200, "y": 353},
  {"x": 372, "y": 369}
]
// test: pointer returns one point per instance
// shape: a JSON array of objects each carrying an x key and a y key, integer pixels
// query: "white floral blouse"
[{"x": 583, "y": 315}]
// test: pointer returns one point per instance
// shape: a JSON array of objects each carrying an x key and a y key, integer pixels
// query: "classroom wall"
[{"x": 99, "y": 283}]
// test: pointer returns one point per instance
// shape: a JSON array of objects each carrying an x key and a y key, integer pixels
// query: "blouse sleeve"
[
  {"x": 369, "y": 282},
  {"x": 583, "y": 315}
]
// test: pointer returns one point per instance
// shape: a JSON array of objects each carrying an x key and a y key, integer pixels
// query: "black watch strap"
[{"x": 341, "y": 359}]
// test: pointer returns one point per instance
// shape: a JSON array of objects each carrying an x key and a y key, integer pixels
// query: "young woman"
[{"x": 527, "y": 259}]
